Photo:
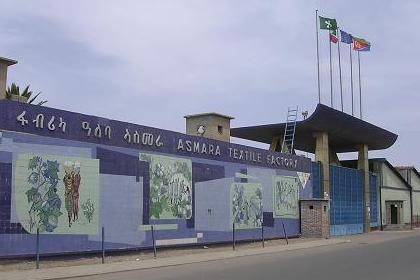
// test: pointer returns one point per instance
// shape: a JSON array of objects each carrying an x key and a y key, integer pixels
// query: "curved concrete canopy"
[{"x": 345, "y": 132}]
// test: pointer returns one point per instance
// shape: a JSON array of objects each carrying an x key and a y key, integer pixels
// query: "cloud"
[{"x": 151, "y": 62}]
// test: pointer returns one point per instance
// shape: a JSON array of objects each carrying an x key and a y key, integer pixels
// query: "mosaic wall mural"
[
  {"x": 57, "y": 194},
  {"x": 286, "y": 196},
  {"x": 247, "y": 206},
  {"x": 170, "y": 187},
  {"x": 70, "y": 175}
]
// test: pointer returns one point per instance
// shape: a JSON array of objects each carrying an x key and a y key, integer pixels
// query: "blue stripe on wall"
[
  {"x": 373, "y": 186},
  {"x": 316, "y": 179}
]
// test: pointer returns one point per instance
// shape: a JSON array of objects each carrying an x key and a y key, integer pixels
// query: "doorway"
[{"x": 394, "y": 214}]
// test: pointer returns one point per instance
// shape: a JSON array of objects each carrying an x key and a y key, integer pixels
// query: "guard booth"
[{"x": 353, "y": 192}]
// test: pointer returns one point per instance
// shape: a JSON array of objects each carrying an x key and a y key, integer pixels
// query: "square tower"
[
  {"x": 4, "y": 64},
  {"x": 210, "y": 125}
]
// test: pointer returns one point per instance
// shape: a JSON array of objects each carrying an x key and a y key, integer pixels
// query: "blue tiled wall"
[
  {"x": 346, "y": 193},
  {"x": 373, "y": 185},
  {"x": 346, "y": 189},
  {"x": 316, "y": 179},
  {"x": 124, "y": 199}
]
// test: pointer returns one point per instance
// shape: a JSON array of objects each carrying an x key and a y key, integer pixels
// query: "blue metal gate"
[
  {"x": 346, "y": 194},
  {"x": 374, "y": 188}
]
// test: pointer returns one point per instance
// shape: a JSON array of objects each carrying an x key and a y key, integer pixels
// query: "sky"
[{"x": 152, "y": 62}]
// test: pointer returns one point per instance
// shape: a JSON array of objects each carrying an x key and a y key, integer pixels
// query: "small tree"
[{"x": 14, "y": 90}]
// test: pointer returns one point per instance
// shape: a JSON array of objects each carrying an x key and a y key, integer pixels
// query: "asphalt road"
[{"x": 364, "y": 258}]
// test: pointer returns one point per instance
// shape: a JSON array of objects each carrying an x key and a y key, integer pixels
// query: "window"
[
  {"x": 220, "y": 129},
  {"x": 311, "y": 207}
]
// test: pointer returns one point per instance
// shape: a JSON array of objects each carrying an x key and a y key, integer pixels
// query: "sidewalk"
[{"x": 95, "y": 269}]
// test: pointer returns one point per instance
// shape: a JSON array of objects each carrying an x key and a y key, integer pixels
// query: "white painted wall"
[
  {"x": 390, "y": 179},
  {"x": 396, "y": 195},
  {"x": 415, "y": 181}
]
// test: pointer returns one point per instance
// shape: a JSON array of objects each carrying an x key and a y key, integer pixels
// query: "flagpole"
[
  {"x": 317, "y": 55},
  {"x": 331, "y": 82},
  {"x": 360, "y": 86},
  {"x": 351, "y": 81},
  {"x": 339, "y": 67}
]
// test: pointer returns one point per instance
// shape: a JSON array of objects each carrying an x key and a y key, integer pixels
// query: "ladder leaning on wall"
[{"x": 289, "y": 131}]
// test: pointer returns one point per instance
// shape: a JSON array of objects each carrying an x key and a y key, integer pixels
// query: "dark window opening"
[
  {"x": 220, "y": 129},
  {"x": 311, "y": 207}
]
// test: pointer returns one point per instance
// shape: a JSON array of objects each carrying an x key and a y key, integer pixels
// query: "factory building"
[
  {"x": 412, "y": 177},
  {"x": 72, "y": 176}
]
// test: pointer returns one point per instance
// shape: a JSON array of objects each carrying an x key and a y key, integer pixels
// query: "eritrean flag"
[{"x": 360, "y": 45}]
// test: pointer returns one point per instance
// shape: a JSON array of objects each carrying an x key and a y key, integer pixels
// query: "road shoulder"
[{"x": 96, "y": 269}]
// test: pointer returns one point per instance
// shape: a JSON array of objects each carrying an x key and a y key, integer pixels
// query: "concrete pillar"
[
  {"x": 334, "y": 160},
  {"x": 275, "y": 145},
  {"x": 4, "y": 64},
  {"x": 322, "y": 155},
  {"x": 363, "y": 164},
  {"x": 3, "y": 80}
]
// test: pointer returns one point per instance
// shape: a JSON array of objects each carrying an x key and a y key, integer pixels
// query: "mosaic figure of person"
[
  {"x": 68, "y": 191},
  {"x": 76, "y": 184}
]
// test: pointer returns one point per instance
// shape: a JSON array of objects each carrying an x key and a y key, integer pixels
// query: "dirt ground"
[{"x": 84, "y": 259}]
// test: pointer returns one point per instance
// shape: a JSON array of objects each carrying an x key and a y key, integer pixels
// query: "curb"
[{"x": 98, "y": 269}]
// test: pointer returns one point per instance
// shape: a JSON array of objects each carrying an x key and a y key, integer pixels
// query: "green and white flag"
[{"x": 327, "y": 23}]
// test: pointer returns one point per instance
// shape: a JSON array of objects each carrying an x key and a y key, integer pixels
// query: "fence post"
[
  {"x": 262, "y": 235},
  {"x": 233, "y": 237},
  {"x": 154, "y": 242},
  {"x": 285, "y": 234},
  {"x": 103, "y": 244},
  {"x": 37, "y": 248}
]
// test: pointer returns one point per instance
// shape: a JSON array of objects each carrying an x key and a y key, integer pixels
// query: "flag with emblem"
[
  {"x": 360, "y": 44},
  {"x": 327, "y": 23}
]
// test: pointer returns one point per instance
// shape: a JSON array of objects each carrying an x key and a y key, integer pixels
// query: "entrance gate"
[{"x": 346, "y": 194}]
